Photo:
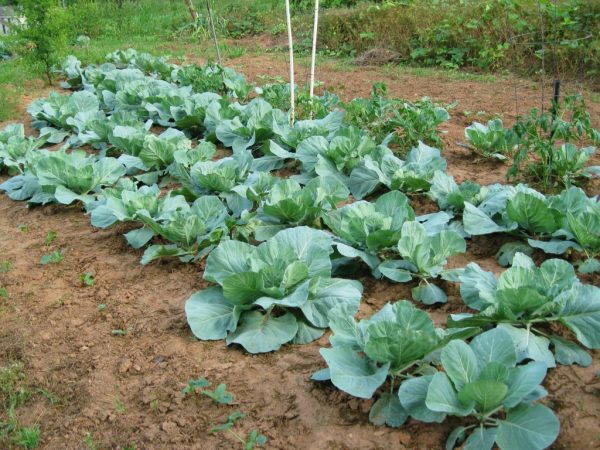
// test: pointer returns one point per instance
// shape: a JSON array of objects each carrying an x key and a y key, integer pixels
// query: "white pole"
[
  {"x": 314, "y": 57},
  {"x": 291, "y": 46}
]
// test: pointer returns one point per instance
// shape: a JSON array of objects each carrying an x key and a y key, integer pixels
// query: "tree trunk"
[{"x": 192, "y": 10}]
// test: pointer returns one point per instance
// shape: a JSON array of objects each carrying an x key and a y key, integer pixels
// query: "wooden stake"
[
  {"x": 192, "y": 10},
  {"x": 291, "y": 46}
]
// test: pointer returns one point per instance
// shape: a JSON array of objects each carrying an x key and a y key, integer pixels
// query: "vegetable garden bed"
[{"x": 299, "y": 281}]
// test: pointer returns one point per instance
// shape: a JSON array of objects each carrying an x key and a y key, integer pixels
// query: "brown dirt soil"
[{"x": 126, "y": 389}]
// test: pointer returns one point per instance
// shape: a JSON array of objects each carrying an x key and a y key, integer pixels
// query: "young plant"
[
  {"x": 272, "y": 294},
  {"x": 52, "y": 258},
  {"x": 395, "y": 344},
  {"x": 250, "y": 442},
  {"x": 220, "y": 395},
  {"x": 491, "y": 140},
  {"x": 87, "y": 278},
  {"x": 424, "y": 257},
  {"x": 59, "y": 115},
  {"x": 524, "y": 299}
]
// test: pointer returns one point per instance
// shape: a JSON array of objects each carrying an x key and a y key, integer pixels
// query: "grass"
[{"x": 15, "y": 392}]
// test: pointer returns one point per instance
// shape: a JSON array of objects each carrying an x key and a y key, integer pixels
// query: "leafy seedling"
[
  {"x": 195, "y": 384},
  {"x": 4, "y": 293},
  {"x": 23, "y": 228},
  {"x": 52, "y": 258},
  {"x": 250, "y": 442},
  {"x": 102, "y": 307},
  {"x": 50, "y": 237},
  {"x": 87, "y": 278},
  {"x": 219, "y": 395},
  {"x": 118, "y": 332}
]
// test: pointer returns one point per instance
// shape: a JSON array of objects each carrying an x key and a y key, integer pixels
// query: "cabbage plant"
[
  {"x": 491, "y": 140},
  {"x": 278, "y": 292},
  {"x": 63, "y": 177},
  {"x": 253, "y": 125},
  {"x": 383, "y": 168},
  {"x": 58, "y": 115},
  {"x": 525, "y": 298},
  {"x": 15, "y": 148},
  {"x": 423, "y": 256},
  {"x": 483, "y": 382},
  {"x": 397, "y": 343},
  {"x": 289, "y": 204},
  {"x": 192, "y": 231}
]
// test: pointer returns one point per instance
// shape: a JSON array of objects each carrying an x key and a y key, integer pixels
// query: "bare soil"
[{"x": 125, "y": 389}]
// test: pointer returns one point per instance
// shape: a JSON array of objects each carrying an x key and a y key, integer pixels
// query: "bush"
[{"x": 44, "y": 36}]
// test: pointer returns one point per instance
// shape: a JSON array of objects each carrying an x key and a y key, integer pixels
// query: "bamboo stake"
[
  {"x": 291, "y": 46},
  {"x": 214, "y": 32},
  {"x": 314, "y": 57},
  {"x": 192, "y": 10}
]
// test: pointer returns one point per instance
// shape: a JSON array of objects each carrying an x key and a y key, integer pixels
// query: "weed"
[
  {"x": 23, "y": 228},
  {"x": 119, "y": 406},
  {"x": 4, "y": 293},
  {"x": 88, "y": 440},
  {"x": 5, "y": 266},
  {"x": 28, "y": 437}
]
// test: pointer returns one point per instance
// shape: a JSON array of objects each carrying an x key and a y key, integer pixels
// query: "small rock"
[
  {"x": 169, "y": 427},
  {"x": 124, "y": 365}
]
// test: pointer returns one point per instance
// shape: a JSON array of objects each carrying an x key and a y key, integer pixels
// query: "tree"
[{"x": 44, "y": 35}]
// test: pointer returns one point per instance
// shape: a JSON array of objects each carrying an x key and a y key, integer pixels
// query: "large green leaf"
[
  {"x": 528, "y": 428},
  {"x": 329, "y": 293},
  {"x": 580, "y": 311},
  {"x": 529, "y": 345},
  {"x": 531, "y": 213},
  {"x": 481, "y": 439},
  {"x": 442, "y": 397},
  {"x": 487, "y": 394},
  {"x": 387, "y": 410},
  {"x": 259, "y": 333},
  {"x": 522, "y": 381},
  {"x": 567, "y": 352},
  {"x": 210, "y": 315},
  {"x": 352, "y": 373},
  {"x": 412, "y": 394},
  {"x": 228, "y": 258},
  {"x": 243, "y": 288},
  {"x": 460, "y": 363},
  {"x": 494, "y": 346}
]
